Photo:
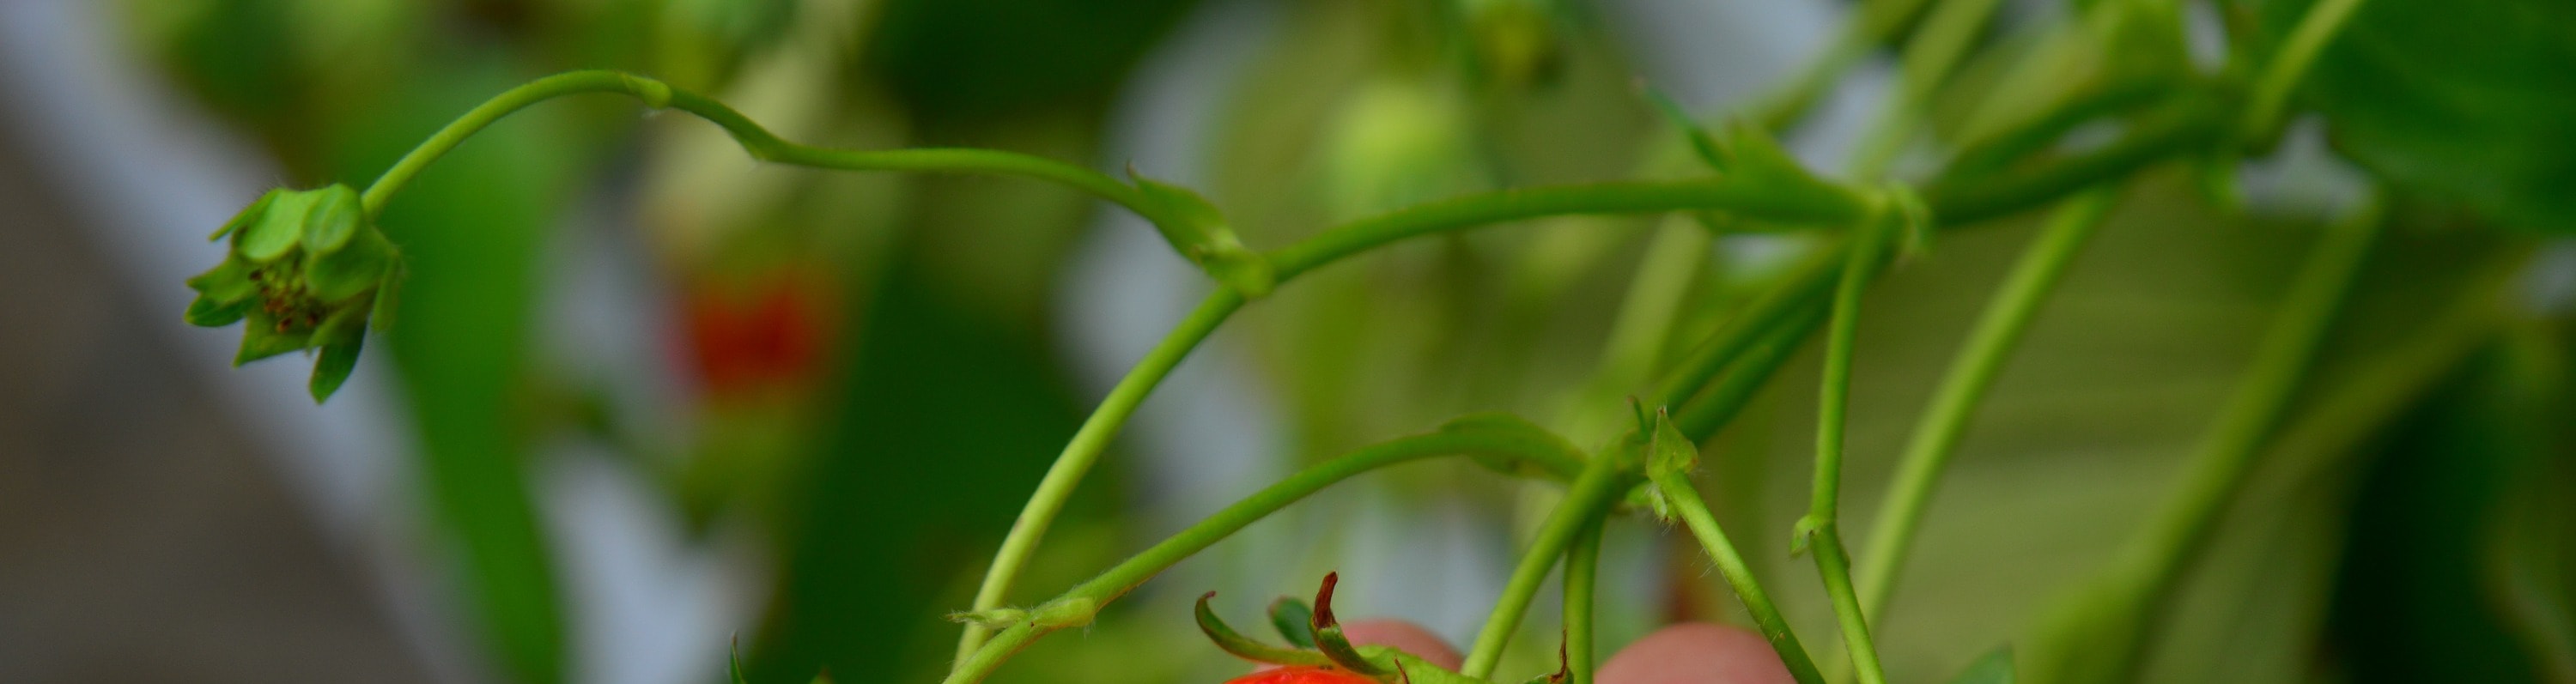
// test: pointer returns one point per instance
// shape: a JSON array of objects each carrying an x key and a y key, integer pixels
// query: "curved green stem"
[
  {"x": 2306, "y": 41},
  {"x": 1685, "y": 500},
  {"x": 1077, "y": 605},
  {"x": 1582, "y": 570},
  {"x": 1085, "y": 448},
  {"x": 1820, "y": 531},
  {"x": 756, "y": 141},
  {"x": 1586, "y": 501},
  {"x": 1964, "y": 386}
]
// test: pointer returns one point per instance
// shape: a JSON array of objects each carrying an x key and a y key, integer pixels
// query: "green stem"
[
  {"x": 2217, "y": 468},
  {"x": 1085, "y": 448},
  {"x": 2188, "y": 126},
  {"x": 1622, "y": 197},
  {"x": 1586, "y": 501},
  {"x": 1797, "y": 291},
  {"x": 1932, "y": 54},
  {"x": 1582, "y": 569},
  {"x": 1963, "y": 387},
  {"x": 1879, "y": 22},
  {"x": 756, "y": 141},
  {"x": 1820, "y": 531},
  {"x": 1077, "y": 605},
  {"x": 1766, "y": 616},
  {"x": 1711, "y": 410},
  {"x": 2001, "y": 149},
  {"x": 2281, "y": 75}
]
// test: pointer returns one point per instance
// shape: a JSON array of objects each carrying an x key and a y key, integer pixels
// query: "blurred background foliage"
[{"x": 873, "y": 369}]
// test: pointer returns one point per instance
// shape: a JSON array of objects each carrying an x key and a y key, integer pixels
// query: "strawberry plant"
[{"x": 1989, "y": 126}]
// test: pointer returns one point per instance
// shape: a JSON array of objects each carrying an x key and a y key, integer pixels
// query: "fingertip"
[{"x": 1696, "y": 653}]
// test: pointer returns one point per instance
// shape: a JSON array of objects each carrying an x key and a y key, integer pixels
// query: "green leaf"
[
  {"x": 358, "y": 266},
  {"x": 263, "y": 338},
  {"x": 338, "y": 359},
  {"x": 247, "y": 215},
  {"x": 1996, "y": 667},
  {"x": 1197, "y": 230},
  {"x": 226, "y": 283},
  {"x": 336, "y": 215},
  {"x": 1245, "y": 647},
  {"x": 1290, "y": 616},
  {"x": 278, "y": 228},
  {"x": 733, "y": 662},
  {"x": 212, "y": 313},
  {"x": 2461, "y": 102}
]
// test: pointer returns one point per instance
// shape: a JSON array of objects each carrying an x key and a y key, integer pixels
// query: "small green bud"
[
  {"x": 306, "y": 272},
  {"x": 1197, "y": 230}
]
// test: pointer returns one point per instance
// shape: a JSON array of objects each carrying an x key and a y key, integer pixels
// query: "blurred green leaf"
[
  {"x": 1995, "y": 668},
  {"x": 2086, "y": 426},
  {"x": 2463, "y": 102},
  {"x": 471, "y": 228}
]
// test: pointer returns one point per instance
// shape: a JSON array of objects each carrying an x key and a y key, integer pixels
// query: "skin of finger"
[{"x": 1696, "y": 653}]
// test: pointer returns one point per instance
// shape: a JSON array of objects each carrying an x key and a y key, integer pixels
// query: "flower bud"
[{"x": 306, "y": 271}]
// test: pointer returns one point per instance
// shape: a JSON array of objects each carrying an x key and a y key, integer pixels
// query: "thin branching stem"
[
  {"x": 1586, "y": 501},
  {"x": 1936, "y": 436},
  {"x": 1077, "y": 605},
  {"x": 1820, "y": 532}
]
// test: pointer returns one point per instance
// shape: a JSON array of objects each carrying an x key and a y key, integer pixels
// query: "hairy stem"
[
  {"x": 1820, "y": 531},
  {"x": 1686, "y": 503},
  {"x": 1586, "y": 501},
  {"x": 1998, "y": 331},
  {"x": 1087, "y": 598}
]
